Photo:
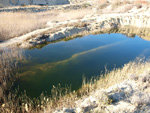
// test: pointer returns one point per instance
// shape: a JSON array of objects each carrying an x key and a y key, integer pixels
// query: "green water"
[{"x": 66, "y": 62}]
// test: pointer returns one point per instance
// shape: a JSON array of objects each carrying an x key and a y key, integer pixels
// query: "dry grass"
[
  {"x": 9, "y": 59},
  {"x": 119, "y": 3},
  {"x": 19, "y": 23},
  {"x": 11, "y": 101},
  {"x": 118, "y": 75}
]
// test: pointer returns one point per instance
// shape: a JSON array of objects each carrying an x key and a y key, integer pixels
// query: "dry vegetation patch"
[
  {"x": 9, "y": 59},
  {"x": 19, "y": 23}
]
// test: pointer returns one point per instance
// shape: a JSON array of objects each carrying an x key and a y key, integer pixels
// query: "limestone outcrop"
[{"x": 33, "y": 2}]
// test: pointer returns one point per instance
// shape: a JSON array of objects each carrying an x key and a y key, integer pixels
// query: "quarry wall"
[{"x": 33, "y": 2}]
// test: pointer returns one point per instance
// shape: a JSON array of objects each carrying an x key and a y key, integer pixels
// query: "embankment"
[{"x": 89, "y": 24}]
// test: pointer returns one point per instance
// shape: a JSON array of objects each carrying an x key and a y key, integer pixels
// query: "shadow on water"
[{"x": 47, "y": 66}]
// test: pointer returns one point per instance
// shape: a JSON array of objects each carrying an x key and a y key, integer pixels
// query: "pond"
[{"x": 66, "y": 62}]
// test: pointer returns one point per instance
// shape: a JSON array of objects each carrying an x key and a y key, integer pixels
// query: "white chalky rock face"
[{"x": 33, "y": 2}]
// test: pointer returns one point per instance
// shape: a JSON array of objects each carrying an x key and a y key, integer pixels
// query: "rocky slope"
[{"x": 130, "y": 96}]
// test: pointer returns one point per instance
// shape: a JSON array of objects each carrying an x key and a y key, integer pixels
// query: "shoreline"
[{"x": 98, "y": 23}]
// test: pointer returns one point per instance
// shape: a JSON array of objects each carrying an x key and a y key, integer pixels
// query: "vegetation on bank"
[{"x": 9, "y": 61}]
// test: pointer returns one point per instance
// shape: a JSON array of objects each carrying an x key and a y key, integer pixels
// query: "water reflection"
[{"x": 66, "y": 62}]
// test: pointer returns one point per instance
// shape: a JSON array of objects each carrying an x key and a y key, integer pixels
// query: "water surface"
[{"x": 66, "y": 62}]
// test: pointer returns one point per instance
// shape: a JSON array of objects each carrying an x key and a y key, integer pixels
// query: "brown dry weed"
[{"x": 20, "y": 23}]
